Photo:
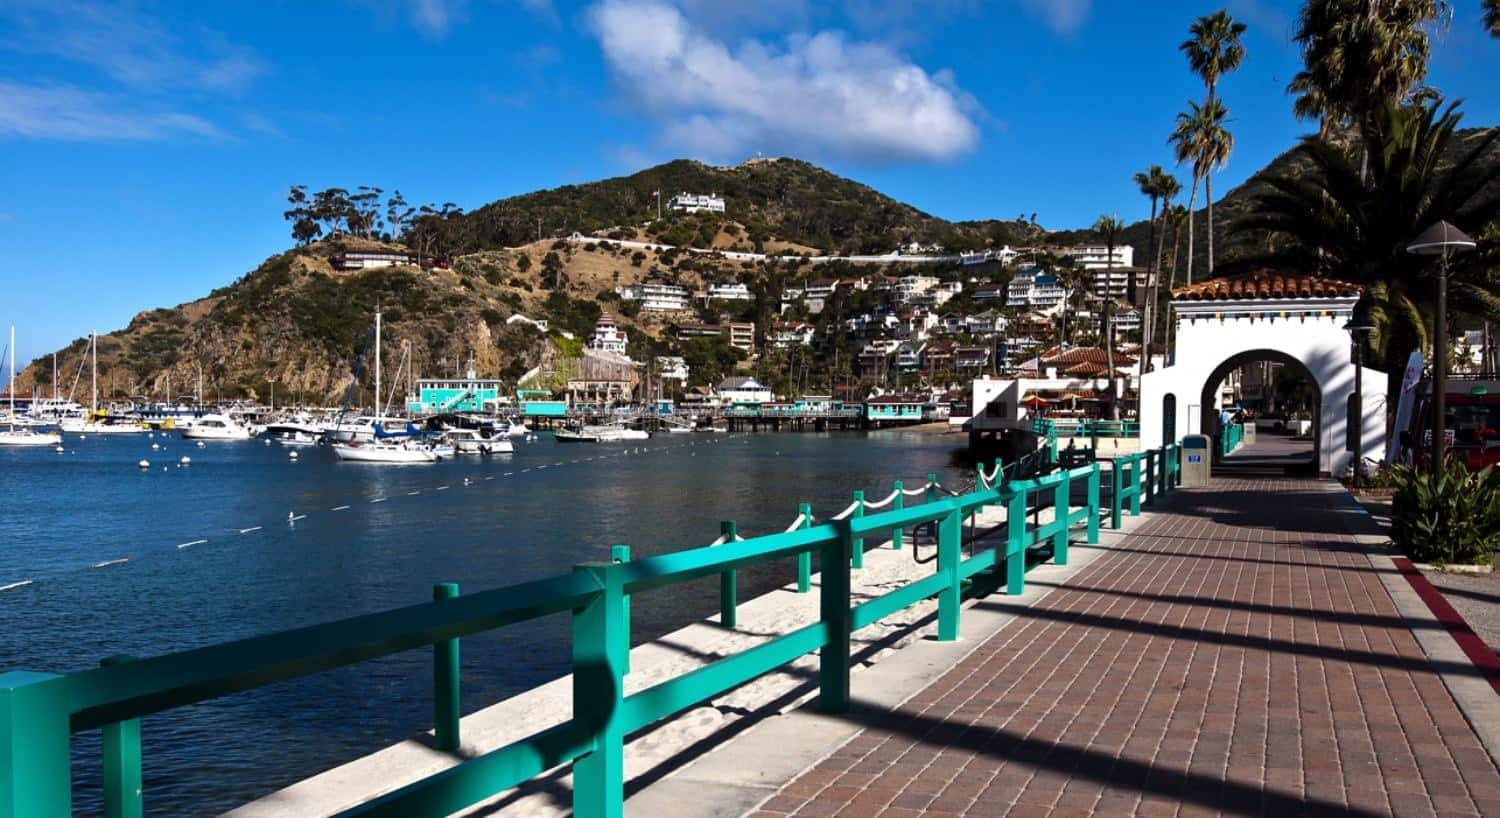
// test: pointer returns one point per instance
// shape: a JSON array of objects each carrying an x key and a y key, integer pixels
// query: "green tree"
[
  {"x": 1350, "y": 215},
  {"x": 1109, "y": 229}
]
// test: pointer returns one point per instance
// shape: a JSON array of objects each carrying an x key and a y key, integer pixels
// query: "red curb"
[{"x": 1478, "y": 652}]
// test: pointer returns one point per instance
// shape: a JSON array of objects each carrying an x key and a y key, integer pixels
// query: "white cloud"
[
  {"x": 131, "y": 48},
  {"x": 821, "y": 94},
  {"x": 69, "y": 113},
  {"x": 1062, "y": 16}
]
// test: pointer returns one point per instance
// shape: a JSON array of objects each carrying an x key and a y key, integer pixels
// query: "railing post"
[
  {"x": 1094, "y": 503},
  {"x": 949, "y": 556},
  {"x": 857, "y": 551},
  {"x": 1164, "y": 474},
  {"x": 35, "y": 770},
  {"x": 729, "y": 581},
  {"x": 1133, "y": 474},
  {"x": 445, "y": 679},
  {"x": 1015, "y": 543},
  {"x": 833, "y": 607},
  {"x": 601, "y": 639},
  {"x": 120, "y": 744},
  {"x": 620, "y": 554},
  {"x": 1117, "y": 485},
  {"x": 804, "y": 559},
  {"x": 900, "y": 503},
  {"x": 932, "y": 494},
  {"x": 1062, "y": 503},
  {"x": 1150, "y": 486}
]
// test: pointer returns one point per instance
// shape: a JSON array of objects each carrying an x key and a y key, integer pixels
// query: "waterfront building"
[
  {"x": 608, "y": 336},
  {"x": 895, "y": 408},
  {"x": 1094, "y": 256},
  {"x": 742, "y": 389},
  {"x": 467, "y": 394},
  {"x": 602, "y": 378},
  {"x": 696, "y": 202},
  {"x": 656, "y": 297}
]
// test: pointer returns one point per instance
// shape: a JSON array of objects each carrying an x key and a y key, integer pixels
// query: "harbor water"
[{"x": 102, "y": 557}]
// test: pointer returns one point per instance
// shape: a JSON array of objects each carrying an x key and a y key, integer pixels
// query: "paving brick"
[{"x": 1236, "y": 654}]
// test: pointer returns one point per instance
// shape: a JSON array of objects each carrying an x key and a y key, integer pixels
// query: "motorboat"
[
  {"x": 599, "y": 434},
  {"x": 217, "y": 427},
  {"x": 386, "y": 451},
  {"x": 512, "y": 428},
  {"x": 361, "y": 429},
  {"x": 474, "y": 441}
]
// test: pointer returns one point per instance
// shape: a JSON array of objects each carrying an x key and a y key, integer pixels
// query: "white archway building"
[{"x": 1225, "y": 323}]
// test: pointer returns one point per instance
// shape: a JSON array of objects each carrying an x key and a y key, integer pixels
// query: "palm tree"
[
  {"x": 1109, "y": 228},
  {"x": 1167, "y": 187},
  {"x": 1149, "y": 183},
  {"x": 1492, "y": 17},
  {"x": 1358, "y": 54},
  {"x": 1201, "y": 138},
  {"x": 1351, "y": 214},
  {"x": 1213, "y": 50}
]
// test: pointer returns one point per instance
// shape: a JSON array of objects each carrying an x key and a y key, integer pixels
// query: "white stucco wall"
[{"x": 1210, "y": 333}]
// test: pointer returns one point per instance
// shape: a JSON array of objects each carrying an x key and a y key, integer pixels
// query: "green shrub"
[{"x": 1446, "y": 516}]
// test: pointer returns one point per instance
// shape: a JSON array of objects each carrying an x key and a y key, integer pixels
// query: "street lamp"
[
  {"x": 1358, "y": 332},
  {"x": 1441, "y": 239}
]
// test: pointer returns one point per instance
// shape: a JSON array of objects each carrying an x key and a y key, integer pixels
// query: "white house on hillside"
[
  {"x": 696, "y": 202},
  {"x": 740, "y": 389},
  {"x": 608, "y": 337}
]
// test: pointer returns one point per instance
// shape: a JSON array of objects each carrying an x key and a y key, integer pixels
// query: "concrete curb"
[{"x": 1475, "y": 697}]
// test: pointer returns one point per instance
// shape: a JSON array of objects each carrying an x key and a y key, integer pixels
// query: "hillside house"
[
  {"x": 785, "y": 335},
  {"x": 741, "y": 389},
  {"x": 730, "y": 292},
  {"x": 740, "y": 336},
  {"x": 672, "y": 368},
  {"x": 909, "y": 355},
  {"x": 370, "y": 261},
  {"x": 608, "y": 337},
  {"x": 989, "y": 292},
  {"x": 696, "y": 203},
  {"x": 1095, "y": 256},
  {"x": 656, "y": 297}
]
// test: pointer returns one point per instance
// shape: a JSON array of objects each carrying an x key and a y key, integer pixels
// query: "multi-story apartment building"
[
  {"x": 696, "y": 202},
  {"x": 608, "y": 336},
  {"x": 656, "y": 297},
  {"x": 1094, "y": 256},
  {"x": 730, "y": 292}
]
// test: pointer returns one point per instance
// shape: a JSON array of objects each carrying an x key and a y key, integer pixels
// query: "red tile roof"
[{"x": 1266, "y": 284}]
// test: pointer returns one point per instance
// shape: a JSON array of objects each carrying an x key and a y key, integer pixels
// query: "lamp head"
[{"x": 1439, "y": 239}]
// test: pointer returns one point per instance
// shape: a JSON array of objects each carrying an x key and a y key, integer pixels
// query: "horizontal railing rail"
[{"x": 40, "y": 711}]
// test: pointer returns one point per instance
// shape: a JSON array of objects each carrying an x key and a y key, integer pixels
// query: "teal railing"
[
  {"x": 1095, "y": 429},
  {"x": 1231, "y": 438},
  {"x": 1138, "y": 479},
  {"x": 39, "y": 712}
]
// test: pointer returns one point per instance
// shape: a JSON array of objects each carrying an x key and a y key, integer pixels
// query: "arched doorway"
[
  {"x": 1286, "y": 449},
  {"x": 1298, "y": 321}
]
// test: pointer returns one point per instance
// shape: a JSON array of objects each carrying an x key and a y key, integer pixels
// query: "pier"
[{"x": 1098, "y": 641}]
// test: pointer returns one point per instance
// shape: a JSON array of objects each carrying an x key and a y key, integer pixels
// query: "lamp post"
[
  {"x": 1441, "y": 239},
  {"x": 1358, "y": 332}
]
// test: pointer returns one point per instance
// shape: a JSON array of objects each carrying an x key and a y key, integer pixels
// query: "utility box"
[{"x": 1197, "y": 460}]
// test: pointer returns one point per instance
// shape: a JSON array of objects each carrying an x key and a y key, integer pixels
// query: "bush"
[{"x": 1447, "y": 516}]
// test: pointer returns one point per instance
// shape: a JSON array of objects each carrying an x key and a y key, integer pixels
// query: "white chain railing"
[
  {"x": 882, "y": 503},
  {"x": 797, "y": 523},
  {"x": 914, "y": 492},
  {"x": 724, "y": 538},
  {"x": 847, "y": 511}
]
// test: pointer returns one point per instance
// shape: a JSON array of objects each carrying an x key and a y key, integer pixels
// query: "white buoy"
[
  {"x": 59, "y": 450},
  {"x": 266, "y": 442},
  {"x": 292, "y": 455},
  {"x": 186, "y": 461},
  {"x": 150, "y": 434},
  {"x": 200, "y": 444},
  {"x": 83, "y": 437},
  {"x": 155, "y": 446},
  {"x": 144, "y": 464}
]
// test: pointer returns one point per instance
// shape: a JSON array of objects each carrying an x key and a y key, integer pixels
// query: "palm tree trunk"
[
  {"x": 1208, "y": 193},
  {"x": 1192, "y": 201}
]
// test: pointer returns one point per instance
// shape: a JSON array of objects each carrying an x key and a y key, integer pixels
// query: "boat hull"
[
  {"x": 380, "y": 453},
  {"x": 24, "y": 438}
]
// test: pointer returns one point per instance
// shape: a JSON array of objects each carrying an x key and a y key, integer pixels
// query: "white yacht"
[
  {"x": 217, "y": 427},
  {"x": 473, "y": 441},
  {"x": 22, "y": 435}
]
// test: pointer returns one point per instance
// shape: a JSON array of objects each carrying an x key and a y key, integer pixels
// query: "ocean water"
[{"x": 68, "y": 519}]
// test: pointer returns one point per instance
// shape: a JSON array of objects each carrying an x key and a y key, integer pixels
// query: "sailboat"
[
  {"x": 382, "y": 448},
  {"x": 94, "y": 423},
  {"x": 24, "y": 436}
]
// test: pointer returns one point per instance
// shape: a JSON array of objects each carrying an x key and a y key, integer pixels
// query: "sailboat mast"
[
  {"x": 12, "y": 389},
  {"x": 377, "y": 363},
  {"x": 93, "y": 375},
  {"x": 55, "y": 394}
]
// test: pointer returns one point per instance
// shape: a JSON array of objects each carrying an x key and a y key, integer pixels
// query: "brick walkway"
[{"x": 1235, "y": 655}]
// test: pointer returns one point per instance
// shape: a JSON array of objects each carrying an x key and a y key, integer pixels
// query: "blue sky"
[{"x": 148, "y": 145}]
